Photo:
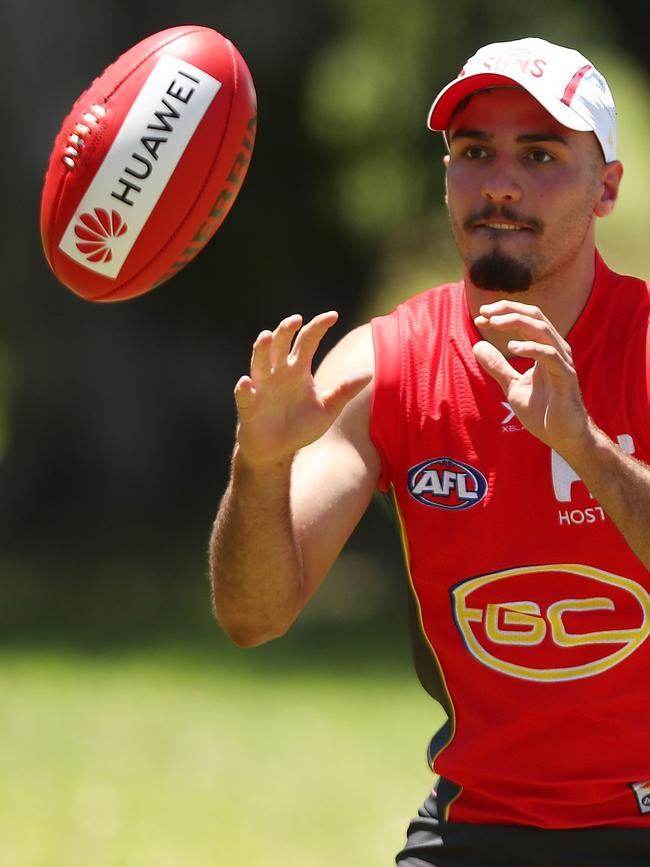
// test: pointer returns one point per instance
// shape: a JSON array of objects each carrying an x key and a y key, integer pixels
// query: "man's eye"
[
  {"x": 475, "y": 152},
  {"x": 540, "y": 156}
]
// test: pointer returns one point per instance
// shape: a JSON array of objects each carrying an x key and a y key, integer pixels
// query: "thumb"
[
  {"x": 337, "y": 398},
  {"x": 494, "y": 363},
  {"x": 244, "y": 394}
]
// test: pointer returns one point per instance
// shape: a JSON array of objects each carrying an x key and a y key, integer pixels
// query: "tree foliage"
[{"x": 116, "y": 421}]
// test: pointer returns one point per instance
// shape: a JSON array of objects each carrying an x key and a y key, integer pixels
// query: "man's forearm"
[
  {"x": 255, "y": 561},
  {"x": 621, "y": 484}
]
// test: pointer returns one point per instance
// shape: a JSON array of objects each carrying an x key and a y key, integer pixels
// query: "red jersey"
[{"x": 532, "y": 613}]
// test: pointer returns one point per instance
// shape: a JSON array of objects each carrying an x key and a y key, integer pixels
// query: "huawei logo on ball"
[{"x": 96, "y": 232}]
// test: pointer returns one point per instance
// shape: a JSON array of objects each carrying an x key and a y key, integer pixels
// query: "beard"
[{"x": 497, "y": 271}]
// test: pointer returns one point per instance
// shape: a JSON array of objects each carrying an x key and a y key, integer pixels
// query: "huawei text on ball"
[{"x": 150, "y": 143}]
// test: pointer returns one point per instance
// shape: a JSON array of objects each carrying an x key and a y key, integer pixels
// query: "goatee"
[{"x": 496, "y": 271}]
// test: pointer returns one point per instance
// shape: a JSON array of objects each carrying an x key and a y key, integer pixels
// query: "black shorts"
[{"x": 451, "y": 844}]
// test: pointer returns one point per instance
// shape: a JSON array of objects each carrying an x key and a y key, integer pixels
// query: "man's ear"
[
  {"x": 445, "y": 162},
  {"x": 610, "y": 183}
]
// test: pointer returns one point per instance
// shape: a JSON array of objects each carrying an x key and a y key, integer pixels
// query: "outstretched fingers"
[
  {"x": 310, "y": 336},
  {"x": 282, "y": 339},
  {"x": 527, "y": 322},
  {"x": 273, "y": 349},
  {"x": 274, "y": 353},
  {"x": 244, "y": 394},
  {"x": 261, "y": 357},
  {"x": 494, "y": 364},
  {"x": 554, "y": 359}
]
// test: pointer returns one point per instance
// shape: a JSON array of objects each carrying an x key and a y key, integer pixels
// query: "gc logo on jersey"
[
  {"x": 551, "y": 623},
  {"x": 446, "y": 484}
]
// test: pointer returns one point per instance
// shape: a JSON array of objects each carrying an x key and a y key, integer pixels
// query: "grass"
[
  {"x": 202, "y": 755},
  {"x": 133, "y": 734}
]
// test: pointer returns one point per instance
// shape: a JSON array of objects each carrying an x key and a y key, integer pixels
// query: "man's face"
[{"x": 521, "y": 189}]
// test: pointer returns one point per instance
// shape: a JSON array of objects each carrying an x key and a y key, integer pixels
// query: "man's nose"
[{"x": 501, "y": 183}]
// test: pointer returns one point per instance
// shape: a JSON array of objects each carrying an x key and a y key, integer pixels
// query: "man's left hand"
[{"x": 546, "y": 398}]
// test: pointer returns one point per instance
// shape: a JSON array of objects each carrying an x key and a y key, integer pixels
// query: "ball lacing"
[{"x": 82, "y": 130}]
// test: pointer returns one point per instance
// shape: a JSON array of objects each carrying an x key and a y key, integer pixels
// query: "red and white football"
[{"x": 148, "y": 163}]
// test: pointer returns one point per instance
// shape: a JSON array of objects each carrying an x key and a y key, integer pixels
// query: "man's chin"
[{"x": 498, "y": 272}]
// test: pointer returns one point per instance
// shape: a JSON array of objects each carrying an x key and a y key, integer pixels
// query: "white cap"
[{"x": 561, "y": 79}]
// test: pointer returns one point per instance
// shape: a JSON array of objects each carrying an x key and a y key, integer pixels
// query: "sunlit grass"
[{"x": 189, "y": 759}]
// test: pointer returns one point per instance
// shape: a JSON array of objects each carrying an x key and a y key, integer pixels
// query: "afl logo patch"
[{"x": 446, "y": 484}]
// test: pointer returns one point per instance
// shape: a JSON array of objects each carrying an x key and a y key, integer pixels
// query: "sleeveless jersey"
[{"x": 531, "y": 613}]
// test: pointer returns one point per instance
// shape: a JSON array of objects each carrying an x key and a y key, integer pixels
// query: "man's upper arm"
[{"x": 333, "y": 479}]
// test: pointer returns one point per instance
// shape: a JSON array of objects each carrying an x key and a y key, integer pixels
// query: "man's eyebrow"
[
  {"x": 542, "y": 136},
  {"x": 465, "y": 132},
  {"x": 529, "y": 137}
]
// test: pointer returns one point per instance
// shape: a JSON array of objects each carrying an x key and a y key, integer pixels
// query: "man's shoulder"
[
  {"x": 354, "y": 350},
  {"x": 606, "y": 274},
  {"x": 622, "y": 299},
  {"x": 433, "y": 297},
  {"x": 357, "y": 347},
  {"x": 430, "y": 315}
]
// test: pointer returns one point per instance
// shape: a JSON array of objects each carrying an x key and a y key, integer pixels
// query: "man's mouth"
[
  {"x": 502, "y": 220},
  {"x": 507, "y": 227}
]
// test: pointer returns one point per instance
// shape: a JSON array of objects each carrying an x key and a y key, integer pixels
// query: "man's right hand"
[
  {"x": 280, "y": 408},
  {"x": 303, "y": 473}
]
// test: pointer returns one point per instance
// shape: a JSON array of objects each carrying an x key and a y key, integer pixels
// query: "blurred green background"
[{"x": 132, "y": 734}]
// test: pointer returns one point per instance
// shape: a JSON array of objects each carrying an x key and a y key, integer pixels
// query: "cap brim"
[{"x": 450, "y": 96}]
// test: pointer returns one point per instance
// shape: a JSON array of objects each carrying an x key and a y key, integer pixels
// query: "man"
[{"x": 509, "y": 418}]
